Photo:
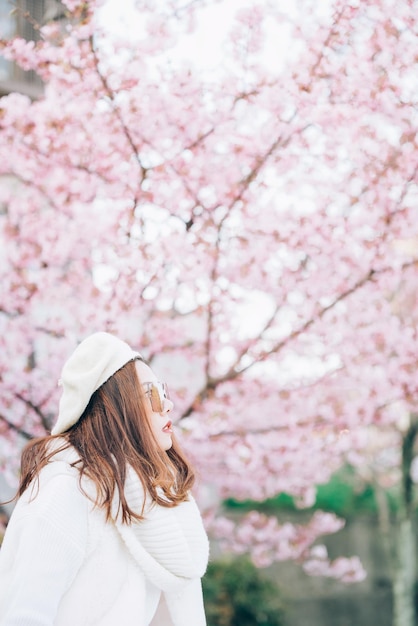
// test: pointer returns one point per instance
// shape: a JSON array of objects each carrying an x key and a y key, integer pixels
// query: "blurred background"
[{"x": 231, "y": 187}]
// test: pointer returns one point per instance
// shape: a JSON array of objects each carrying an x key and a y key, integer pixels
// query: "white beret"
[{"x": 91, "y": 364}]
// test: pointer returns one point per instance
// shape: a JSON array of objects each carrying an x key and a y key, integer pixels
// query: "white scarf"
[{"x": 169, "y": 545}]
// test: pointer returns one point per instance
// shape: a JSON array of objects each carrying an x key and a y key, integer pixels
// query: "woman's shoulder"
[
  {"x": 57, "y": 479},
  {"x": 62, "y": 462}
]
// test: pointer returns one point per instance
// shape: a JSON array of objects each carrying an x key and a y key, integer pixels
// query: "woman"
[{"x": 105, "y": 531}]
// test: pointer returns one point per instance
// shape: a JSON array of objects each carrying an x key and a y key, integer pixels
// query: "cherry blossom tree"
[{"x": 248, "y": 222}]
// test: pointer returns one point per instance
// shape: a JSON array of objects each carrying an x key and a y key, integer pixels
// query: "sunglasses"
[{"x": 157, "y": 393}]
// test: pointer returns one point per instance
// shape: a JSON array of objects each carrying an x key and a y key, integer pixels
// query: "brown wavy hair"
[{"x": 113, "y": 433}]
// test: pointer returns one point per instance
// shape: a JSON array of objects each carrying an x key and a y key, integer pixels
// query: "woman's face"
[{"x": 161, "y": 423}]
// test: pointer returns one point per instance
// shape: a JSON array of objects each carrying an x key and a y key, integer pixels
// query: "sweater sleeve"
[{"x": 43, "y": 549}]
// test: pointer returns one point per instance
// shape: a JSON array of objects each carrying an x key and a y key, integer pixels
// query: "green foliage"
[
  {"x": 344, "y": 495},
  {"x": 237, "y": 594}
]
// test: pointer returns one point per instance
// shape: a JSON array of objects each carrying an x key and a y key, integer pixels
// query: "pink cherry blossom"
[{"x": 250, "y": 227}]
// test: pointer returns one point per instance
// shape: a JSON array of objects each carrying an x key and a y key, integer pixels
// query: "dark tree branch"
[
  {"x": 35, "y": 409},
  {"x": 16, "y": 429}
]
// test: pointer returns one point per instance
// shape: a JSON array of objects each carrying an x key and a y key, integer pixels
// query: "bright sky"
[{"x": 204, "y": 45}]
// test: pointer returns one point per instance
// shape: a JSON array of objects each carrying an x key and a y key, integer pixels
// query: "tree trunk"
[
  {"x": 404, "y": 575},
  {"x": 405, "y": 547},
  {"x": 385, "y": 526}
]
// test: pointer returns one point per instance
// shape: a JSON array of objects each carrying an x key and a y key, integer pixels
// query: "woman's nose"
[{"x": 168, "y": 406}]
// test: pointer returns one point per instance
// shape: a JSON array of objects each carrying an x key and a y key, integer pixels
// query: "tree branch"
[
  {"x": 35, "y": 409},
  {"x": 16, "y": 429},
  {"x": 235, "y": 371}
]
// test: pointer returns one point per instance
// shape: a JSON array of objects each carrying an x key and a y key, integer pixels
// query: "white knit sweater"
[{"x": 62, "y": 564}]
